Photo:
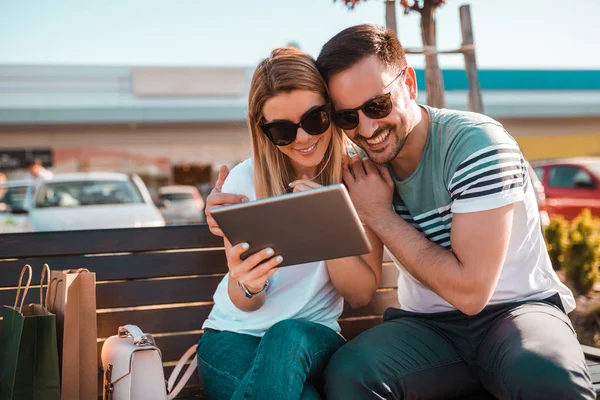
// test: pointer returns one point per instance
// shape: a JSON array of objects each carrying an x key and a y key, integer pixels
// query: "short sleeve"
[
  {"x": 241, "y": 180},
  {"x": 485, "y": 169}
]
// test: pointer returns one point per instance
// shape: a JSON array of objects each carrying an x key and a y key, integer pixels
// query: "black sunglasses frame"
[
  {"x": 387, "y": 97},
  {"x": 266, "y": 128}
]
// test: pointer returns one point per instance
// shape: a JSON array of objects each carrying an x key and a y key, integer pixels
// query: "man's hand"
[
  {"x": 217, "y": 199},
  {"x": 370, "y": 186}
]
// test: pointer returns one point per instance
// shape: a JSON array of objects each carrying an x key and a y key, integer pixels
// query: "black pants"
[{"x": 525, "y": 350}]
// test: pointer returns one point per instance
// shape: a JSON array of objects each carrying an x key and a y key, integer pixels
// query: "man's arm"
[{"x": 466, "y": 277}]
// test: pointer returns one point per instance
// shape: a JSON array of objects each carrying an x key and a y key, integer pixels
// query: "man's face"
[
  {"x": 34, "y": 169},
  {"x": 384, "y": 138}
]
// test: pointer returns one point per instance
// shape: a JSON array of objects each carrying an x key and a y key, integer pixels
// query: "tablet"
[{"x": 314, "y": 225}]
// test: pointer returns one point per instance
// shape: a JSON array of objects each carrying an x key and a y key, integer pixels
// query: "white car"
[
  {"x": 13, "y": 216},
  {"x": 181, "y": 204},
  {"x": 94, "y": 200}
]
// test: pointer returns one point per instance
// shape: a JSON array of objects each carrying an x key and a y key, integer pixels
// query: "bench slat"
[
  {"x": 389, "y": 276},
  {"x": 123, "y": 266},
  {"x": 381, "y": 301},
  {"x": 163, "y": 291},
  {"x": 160, "y": 320},
  {"x": 353, "y": 327},
  {"x": 44, "y": 244},
  {"x": 139, "y": 292}
]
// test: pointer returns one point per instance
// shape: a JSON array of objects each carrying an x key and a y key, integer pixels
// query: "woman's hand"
[
  {"x": 217, "y": 199},
  {"x": 254, "y": 271},
  {"x": 300, "y": 185}
]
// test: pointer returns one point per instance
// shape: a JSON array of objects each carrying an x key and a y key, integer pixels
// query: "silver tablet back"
[{"x": 314, "y": 225}]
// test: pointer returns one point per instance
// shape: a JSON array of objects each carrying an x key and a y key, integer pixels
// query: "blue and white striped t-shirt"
[{"x": 469, "y": 164}]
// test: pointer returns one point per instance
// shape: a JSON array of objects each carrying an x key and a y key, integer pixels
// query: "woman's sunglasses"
[
  {"x": 375, "y": 108},
  {"x": 314, "y": 122}
]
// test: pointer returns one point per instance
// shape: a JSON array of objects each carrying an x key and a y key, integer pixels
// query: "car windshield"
[
  {"x": 176, "y": 196},
  {"x": 594, "y": 167},
  {"x": 13, "y": 196},
  {"x": 87, "y": 193}
]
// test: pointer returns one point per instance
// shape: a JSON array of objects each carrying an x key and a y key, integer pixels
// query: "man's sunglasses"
[
  {"x": 375, "y": 108},
  {"x": 314, "y": 122}
]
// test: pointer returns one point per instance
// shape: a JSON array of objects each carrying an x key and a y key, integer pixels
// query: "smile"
[
  {"x": 308, "y": 150},
  {"x": 378, "y": 139}
]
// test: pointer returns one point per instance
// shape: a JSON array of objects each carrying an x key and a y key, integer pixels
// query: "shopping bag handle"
[
  {"x": 25, "y": 289},
  {"x": 173, "y": 392},
  {"x": 44, "y": 269},
  {"x": 49, "y": 290},
  {"x": 75, "y": 271}
]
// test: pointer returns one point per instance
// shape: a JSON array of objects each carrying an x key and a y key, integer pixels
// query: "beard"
[{"x": 395, "y": 143}]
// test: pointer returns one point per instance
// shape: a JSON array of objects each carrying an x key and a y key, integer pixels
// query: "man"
[
  {"x": 480, "y": 303},
  {"x": 36, "y": 171},
  {"x": 481, "y": 307}
]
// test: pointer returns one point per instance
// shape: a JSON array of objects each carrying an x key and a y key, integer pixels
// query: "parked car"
[
  {"x": 540, "y": 196},
  {"x": 570, "y": 184},
  {"x": 181, "y": 204},
  {"x": 94, "y": 200},
  {"x": 13, "y": 195}
]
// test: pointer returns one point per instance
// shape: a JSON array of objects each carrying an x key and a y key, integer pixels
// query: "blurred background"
[{"x": 118, "y": 114}]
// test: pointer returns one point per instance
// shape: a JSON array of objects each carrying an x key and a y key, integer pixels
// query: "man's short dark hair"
[
  {"x": 35, "y": 161},
  {"x": 356, "y": 43}
]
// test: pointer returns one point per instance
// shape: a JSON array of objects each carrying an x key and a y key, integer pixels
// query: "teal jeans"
[{"x": 286, "y": 363}]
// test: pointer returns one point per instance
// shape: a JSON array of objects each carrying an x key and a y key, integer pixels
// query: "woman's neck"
[{"x": 300, "y": 171}]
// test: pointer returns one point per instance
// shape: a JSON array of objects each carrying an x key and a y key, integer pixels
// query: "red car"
[{"x": 570, "y": 185}]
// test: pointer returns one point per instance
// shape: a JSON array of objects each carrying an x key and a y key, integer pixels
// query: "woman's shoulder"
[{"x": 240, "y": 179}]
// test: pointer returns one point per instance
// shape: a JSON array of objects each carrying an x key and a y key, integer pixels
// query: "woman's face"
[{"x": 307, "y": 151}]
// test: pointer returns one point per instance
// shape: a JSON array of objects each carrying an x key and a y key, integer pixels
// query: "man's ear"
[{"x": 411, "y": 82}]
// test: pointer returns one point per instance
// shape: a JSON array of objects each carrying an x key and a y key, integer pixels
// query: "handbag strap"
[
  {"x": 44, "y": 269},
  {"x": 173, "y": 392},
  {"x": 25, "y": 289},
  {"x": 139, "y": 337}
]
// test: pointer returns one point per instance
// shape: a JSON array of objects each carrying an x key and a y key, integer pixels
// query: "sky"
[{"x": 525, "y": 34}]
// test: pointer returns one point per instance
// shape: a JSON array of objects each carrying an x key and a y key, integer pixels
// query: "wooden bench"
[{"x": 161, "y": 279}]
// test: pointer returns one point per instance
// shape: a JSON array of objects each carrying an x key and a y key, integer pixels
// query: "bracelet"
[{"x": 250, "y": 295}]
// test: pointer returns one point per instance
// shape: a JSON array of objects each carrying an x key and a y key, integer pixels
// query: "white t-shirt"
[
  {"x": 44, "y": 174},
  {"x": 470, "y": 164},
  {"x": 296, "y": 292}
]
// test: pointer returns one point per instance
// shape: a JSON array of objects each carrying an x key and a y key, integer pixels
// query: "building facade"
[{"x": 150, "y": 120}]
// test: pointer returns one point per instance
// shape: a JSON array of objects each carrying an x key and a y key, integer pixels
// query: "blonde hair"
[{"x": 287, "y": 69}]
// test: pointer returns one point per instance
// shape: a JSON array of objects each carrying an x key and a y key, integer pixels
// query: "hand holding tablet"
[{"x": 313, "y": 225}]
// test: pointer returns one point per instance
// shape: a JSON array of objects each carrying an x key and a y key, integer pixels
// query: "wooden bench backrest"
[{"x": 161, "y": 279}]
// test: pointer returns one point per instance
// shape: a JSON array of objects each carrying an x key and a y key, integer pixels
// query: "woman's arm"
[
  {"x": 252, "y": 273},
  {"x": 357, "y": 278}
]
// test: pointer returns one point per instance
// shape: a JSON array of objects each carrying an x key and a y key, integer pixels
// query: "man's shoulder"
[
  {"x": 451, "y": 123},
  {"x": 462, "y": 133}
]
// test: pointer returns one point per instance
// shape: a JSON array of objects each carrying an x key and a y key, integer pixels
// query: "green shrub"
[
  {"x": 557, "y": 240},
  {"x": 583, "y": 253}
]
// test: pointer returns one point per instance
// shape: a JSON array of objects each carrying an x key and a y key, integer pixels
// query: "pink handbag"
[{"x": 133, "y": 368}]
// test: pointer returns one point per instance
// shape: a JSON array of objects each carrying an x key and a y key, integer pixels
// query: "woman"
[{"x": 271, "y": 332}]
